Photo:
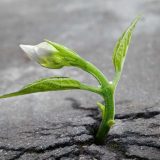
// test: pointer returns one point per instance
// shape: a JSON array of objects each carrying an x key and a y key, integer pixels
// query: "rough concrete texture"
[{"x": 61, "y": 125}]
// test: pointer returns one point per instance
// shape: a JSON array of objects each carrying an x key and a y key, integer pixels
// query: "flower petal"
[{"x": 29, "y": 50}]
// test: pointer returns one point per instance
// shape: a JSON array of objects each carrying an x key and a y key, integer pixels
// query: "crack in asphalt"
[
  {"x": 136, "y": 157},
  {"x": 120, "y": 142},
  {"x": 38, "y": 151},
  {"x": 61, "y": 143},
  {"x": 144, "y": 115},
  {"x": 130, "y": 116}
]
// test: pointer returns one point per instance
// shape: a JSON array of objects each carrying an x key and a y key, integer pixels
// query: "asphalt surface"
[{"x": 61, "y": 125}]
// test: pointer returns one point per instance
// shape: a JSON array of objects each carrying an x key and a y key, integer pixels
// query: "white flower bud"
[
  {"x": 45, "y": 54},
  {"x": 36, "y": 52},
  {"x": 53, "y": 55}
]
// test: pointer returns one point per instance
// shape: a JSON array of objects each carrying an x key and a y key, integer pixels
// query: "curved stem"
[
  {"x": 90, "y": 68},
  {"x": 107, "y": 92}
]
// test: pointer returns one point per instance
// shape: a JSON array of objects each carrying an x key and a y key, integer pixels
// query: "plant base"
[{"x": 102, "y": 132}]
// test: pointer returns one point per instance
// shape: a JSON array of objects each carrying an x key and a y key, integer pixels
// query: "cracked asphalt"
[{"x": 61, "y": 125}]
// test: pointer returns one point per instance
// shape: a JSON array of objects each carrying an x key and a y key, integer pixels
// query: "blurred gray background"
[{"x": 89, "y": 27}]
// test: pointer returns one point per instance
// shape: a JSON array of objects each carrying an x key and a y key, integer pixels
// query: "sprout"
[{"x": 53, "y": 55}]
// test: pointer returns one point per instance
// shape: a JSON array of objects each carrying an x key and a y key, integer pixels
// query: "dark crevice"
[
  {"x": 119, "y": 143},
  {"x": 123, "y": 139},
  {"x": 71, "y": 153},
  {"x": 18, "y": 155},
  {"x": 94, "y": 114},
  {"x": 153, "y": 125},
  {"x": 132, "y": 142},
  {"x": 132, "y": 134},
  {"x": 36, "y": 150},
  {"x": 11, "y": 149},
  {"x": 136, "y": 157},
  {"x": 120, "y": 148},
  {"x": 132, "y": 116}
]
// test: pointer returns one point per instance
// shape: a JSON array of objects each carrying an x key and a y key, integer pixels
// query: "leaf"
[
  {"x": 110, "y": 123},
  {"x": 69, "y": 56},
  {"x": 62, "y": 49},
  {"x": 122, "y": 45},
  {"x": 102, "y": 108},
  {"x": 47, "y": 84}
]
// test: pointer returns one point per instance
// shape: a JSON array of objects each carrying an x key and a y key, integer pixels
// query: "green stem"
[
  {"x": 102, "y": 132},
  {"x": 91, "y": 88},
  {"x": 90, "y": 68},
  {"x": 107, "y": 92},
  {"x": 108, "y": 120}
]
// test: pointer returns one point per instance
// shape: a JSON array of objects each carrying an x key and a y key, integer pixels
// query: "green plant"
[{"x": 53, "y": 55}]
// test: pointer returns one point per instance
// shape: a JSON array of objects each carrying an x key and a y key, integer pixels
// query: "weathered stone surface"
[{"x": 62, "y": 125}]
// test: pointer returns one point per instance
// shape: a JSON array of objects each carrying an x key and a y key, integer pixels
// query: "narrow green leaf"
[
  {"x": 122, "y": 45},
  {"x": 70, "y": 57},
  {"x": 46, "y": 84},
  {"x": 62, "y": 49}
]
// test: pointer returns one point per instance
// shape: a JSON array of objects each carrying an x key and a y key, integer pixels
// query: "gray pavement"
[{"x": 61, "y": 125}]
